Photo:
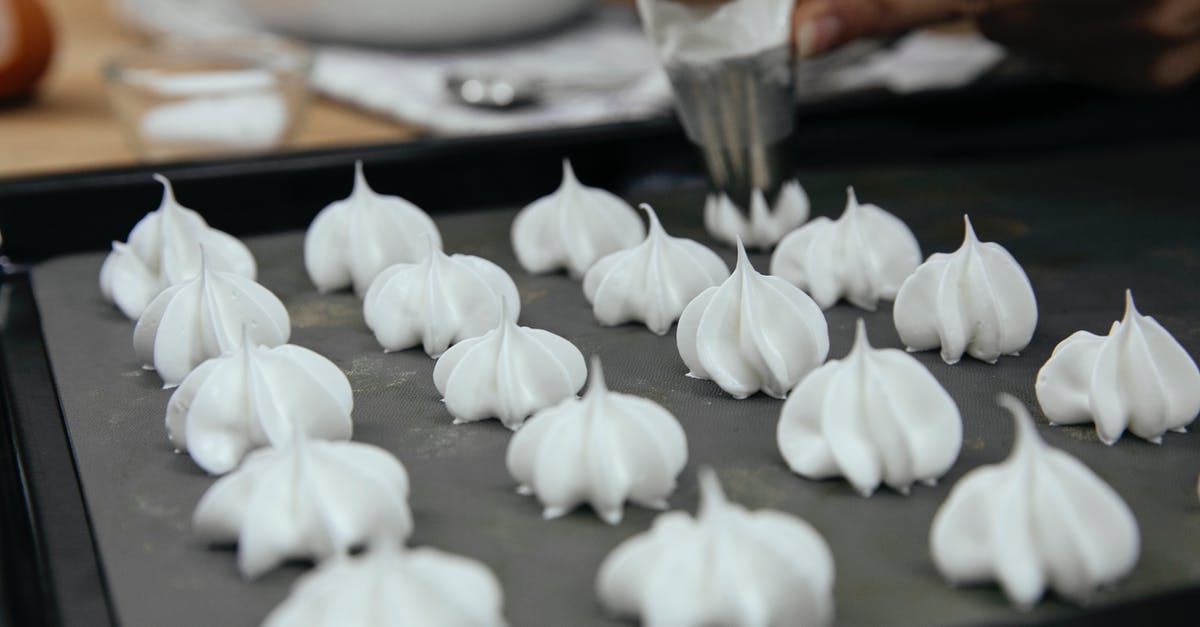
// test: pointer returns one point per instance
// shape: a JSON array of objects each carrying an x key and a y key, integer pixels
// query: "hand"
[{"x": 1143, "y": 43}]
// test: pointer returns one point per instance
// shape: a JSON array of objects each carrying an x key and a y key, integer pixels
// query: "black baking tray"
[{"x": 981, "y": 140}]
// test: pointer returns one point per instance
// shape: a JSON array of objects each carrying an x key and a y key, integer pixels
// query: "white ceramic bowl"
[{"x": 411, "y": 22}]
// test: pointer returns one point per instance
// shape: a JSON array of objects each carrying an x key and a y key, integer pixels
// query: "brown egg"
[{"x": 26, "y": 42}]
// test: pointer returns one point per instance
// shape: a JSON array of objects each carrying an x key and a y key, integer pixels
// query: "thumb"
[{"x": 821, "y": 25}]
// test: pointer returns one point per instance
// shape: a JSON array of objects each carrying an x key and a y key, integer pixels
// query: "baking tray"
[{"x": 98, "y": 505}]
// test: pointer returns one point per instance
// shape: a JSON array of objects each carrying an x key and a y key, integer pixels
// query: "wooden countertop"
[{"x": 69, "y": 125}]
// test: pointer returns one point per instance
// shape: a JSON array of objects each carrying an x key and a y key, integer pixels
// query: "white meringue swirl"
[
  {"x": 764, "y": 226},
  {"x": 726, "y": 566},
  {"x": 652, "y": 282},
  {"x": 438, "y": 301},
  {"x": 976, "y": 300},
  {"x": 878, "y": 416},
  {"x": 204, "y": 317},
  {"x": 1039, "y": 519},
  {"x": 573, "y": 227},
  {"x": 752, "y": 333},
  {"x": 602, "y": 450},
  {"x": 352, "y": 240},
  {"x": 1136, "y": 378},
  {"x": 863, "y": 256},
  {"x": 163, "y": 249}
]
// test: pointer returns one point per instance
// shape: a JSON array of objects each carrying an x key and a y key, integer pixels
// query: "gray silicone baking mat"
[{"x": 1083, "y": 226}]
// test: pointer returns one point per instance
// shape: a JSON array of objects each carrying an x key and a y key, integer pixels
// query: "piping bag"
[{"x": 731, "y": 70}]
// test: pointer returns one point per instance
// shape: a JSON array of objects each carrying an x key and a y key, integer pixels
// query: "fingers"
[{"x": 821, "y": 25}]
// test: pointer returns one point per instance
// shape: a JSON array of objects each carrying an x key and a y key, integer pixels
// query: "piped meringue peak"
[
  {"x": 352, "y": 240},
  {"x": 603, "y": 450},
  {"x": 863, "y": 256},
  {"x": 726, "y": 566},
  {"x": 163, "y": 250},
  {"x": 1039, "y": 519},
  {"x": 652, "y": 282},
  {"x": 573, "y": 227},
  {"x": 508, "y": 373},
  {"x": 308, "y": 499},
  {"x": 254, "y": 396},
  {"x": 752, "y": 333},
  {"x": 764, "y": 225},
  {"x": 438, "y": 300},
  {"x": 976, "y": 300},
  {"x": 205, "y": 317},
  {"x": 1136, "y": 378},
  {"x": 391, "y": 585},
  {"x": 877, "y": 416}
]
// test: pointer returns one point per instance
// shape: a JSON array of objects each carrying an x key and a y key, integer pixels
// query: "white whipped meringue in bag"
[
  {"x": 726, "y": 566},
  {"x": 253, "y": 396},
  {"x": 1136, "y": 378},
  {"x": 652, "y": 282},
  {"x": 573, "y": 227},
  {"x": 205, "y": 317},
  {"x": 1038, "y": 519},
  {"x": 603, "y": 450},
  {"x": 389, "y": 585},
  {"x": 764, "y": 226},
  {"x": 438, "y": 300},
  {"x": 877, "y": 416},
  {"x": 976, "y": 300},
  {"x": 306, "y": 499},
  {"x": 863, "y": 256},
  {"x": 352, "y": 240},
  {"x": 163, "y": 249},
  {"x": 752, "y": 333},
  {"x": 508, "y": 373},
  {"x": 710, "y": 33}
]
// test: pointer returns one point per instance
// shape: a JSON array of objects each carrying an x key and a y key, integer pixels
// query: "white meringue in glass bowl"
[
  {"x": 353, "y": 239},
  {"x": 509, "y": 373},
  {"x": 206, "y": 316},
  {"x": 573, "y": 227},
  {"x": 1136, "y": 378},
  {"x": 163, "y": 249},
  {"x": 603, "y": 450},
  {"x": 976, "y": 300},
  {"x": 725, "y": 566},
  {"x": 1040, "y": 519},
  {"x": 438, "y": 300},
  {"x": 253, "y": 396},
  {"x": 863, "y": 256},
  {"x": 305, "y": 499},
  {"x": 390, "y": 585},
  {"x": 877, "y": 416},
  {"x": 764, "y": 226},
  {"x": 752, "y": 333},
  {"x": 652, "y": 282}
]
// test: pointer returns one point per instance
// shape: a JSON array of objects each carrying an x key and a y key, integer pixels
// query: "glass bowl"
[{"x": 184, "y": 98}]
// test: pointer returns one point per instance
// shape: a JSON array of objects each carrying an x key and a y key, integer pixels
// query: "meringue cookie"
[
  {"x": 877, "y": 416},
  {"x": 752, "y": 333},
  {"x": 352, "y": 240},
  {"x": 726, "y": 566},
  {"x": 573, "y": 227},
  {"x": 204, "y": 317},
  {"x": 508, "y": 373},
  {"x": 975, "y": 300},
  {"x": 1138, "y": 377},
  {"x": 1038, "y": 519},
  {"x": 254, "y": 396},
  {"x": 308, "y": 499},
  {"x": 864, "y": 256},
  {"x": 765, "y": 226},
  {"x": 437, "y": 301},
  {"x": 163, "y": 249},
  {"x": 603, "y": 450},
  {"x": 653, "y": 281},
  {"x": 389, "y": 585}
]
